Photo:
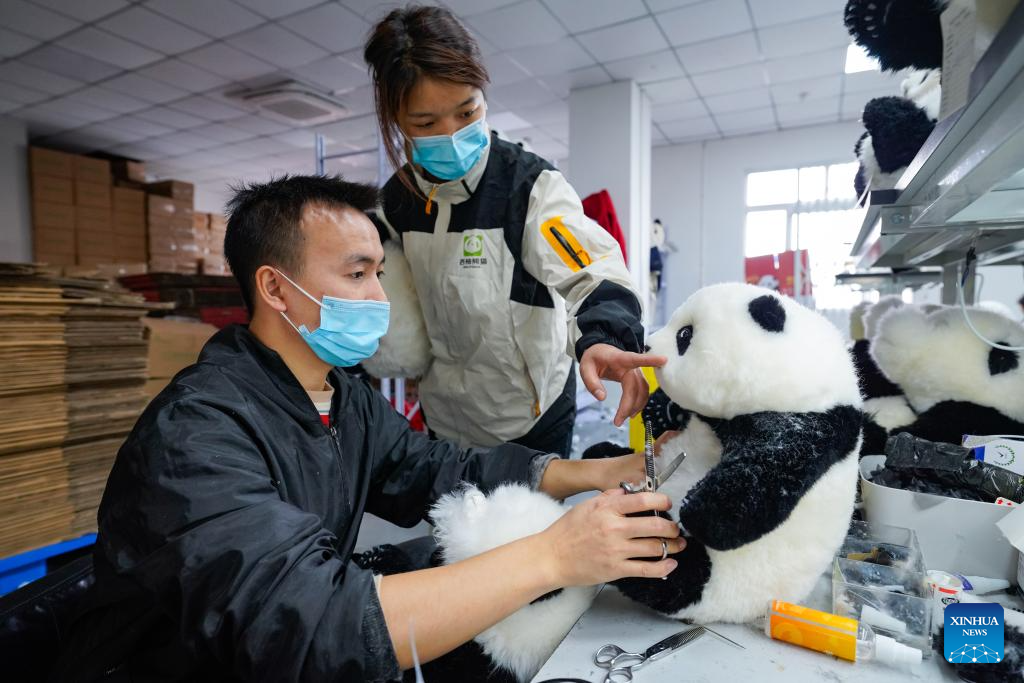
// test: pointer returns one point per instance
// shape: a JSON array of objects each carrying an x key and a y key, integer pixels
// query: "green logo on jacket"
[{"x": 472, "y": 245}]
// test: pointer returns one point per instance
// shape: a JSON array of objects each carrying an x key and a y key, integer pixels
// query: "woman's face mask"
[{"x": 449, "y": 157}]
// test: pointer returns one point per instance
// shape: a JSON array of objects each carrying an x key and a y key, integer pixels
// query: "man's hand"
[{"x": 604, "y": 361}]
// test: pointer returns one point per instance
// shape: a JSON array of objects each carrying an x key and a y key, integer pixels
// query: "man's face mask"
[{"x": 349, "y": 330}]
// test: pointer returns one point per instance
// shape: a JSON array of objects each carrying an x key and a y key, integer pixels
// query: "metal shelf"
[{"x": 966, "y": 184}]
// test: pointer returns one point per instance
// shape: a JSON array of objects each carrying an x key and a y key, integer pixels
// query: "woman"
[{"x": 499, "y": 249}]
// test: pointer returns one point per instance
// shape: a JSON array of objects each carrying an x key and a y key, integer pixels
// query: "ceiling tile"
[
  {"x": 730, "y": 80},
  {"x": 49, "y": 119},
  {"x": 657, "y": 137},
  {"x": 852, "y": 106},
  {"x": 109, "y": 48},
  {"x": 810, "y": 111},
  {"x": 352, "y": 129},
  {"x": 217, "y": 18},
  {"x": 58, "y": 60},
  {"x": 12, "y": 43},
  {"x": 705, "y": 21},
  {"x": 358, "y": 101},
  {"x": 81, "y": 140},
  {"x": 111, "y": 100},
  {"x": 802, "y": 37},
  {"x": 545, "y": 114},
  {"x": 226, "y": 61},
  {"x": 273, "y": 9},
  {"x": 824, "y": 63},
  {"x": 33, "y": 20},
  {"x": 172, "y": 118},
  {"x": 176, "y": 144},
  {"x": 694, "y": 128},
  {"x": 720, "y": 53},
  {"x": 221, "y": 132},
  {"x": 751, "y": 120},
  {"x": 116, "y": 135},
  {"x": 153, "y": 30},
  {"x": 331, "y": 26},
  {"x": 559, "y": 131},
  {"x": 677, "y": 90},
  {"x": 872, "y": 81},
  {"x": 677, "y": 111},
  {"x": 504, "y": 70},
  {"x": 138, "y": 125},
  {"x": 183, "y": 75},
  {"x": 595, "y": 13},
  {"x": 814, "y": 89},
  {"x": 84, "y": 10},
  {"x": 144, "y": 88},
  {"x": 36, "y": 79},
  {"x": 526, "y": 93},
  {"x": 636, "y": 37},
  {"x": 207, "y": 108},
  {"x": 754, "y": 98},
  {"x": 468, "y": 8},
  {"x": 772, "y": 12},
  {"x": 657, "y": 6},
  {"x": 257, "y": 125},
  {"x": 657, "y": 66},
  {"x": 520, "y": 25},
  {"x": 83, "y": 112},
  {"x": 562, "y": 83},
  {"x": 278, "y": 46},
  {"x": 267, "y": 145},
  {"x": 507, "y": 121},
  {"x": 375, "y": 10},
  {"x": 21, "y": 95},
  {"x": 297, "y": 138},
  {"x": 334, "y": 74},
  {"x": 557, "y": 57}
]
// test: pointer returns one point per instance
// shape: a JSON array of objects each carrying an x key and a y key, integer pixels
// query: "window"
[{"x": 810, "y": 208}]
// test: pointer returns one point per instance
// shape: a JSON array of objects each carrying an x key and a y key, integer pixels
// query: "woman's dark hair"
[{"x": 408, "y": 43}]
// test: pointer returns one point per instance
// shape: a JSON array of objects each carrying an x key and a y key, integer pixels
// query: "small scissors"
[
  {"x": 652, "y": 480},
  {"x": 620, "y": 664}
]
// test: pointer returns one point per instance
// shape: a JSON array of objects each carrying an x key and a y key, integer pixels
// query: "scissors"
[
  {"x": 620, "y": 664},
  {"x": 652, "y": 480}
]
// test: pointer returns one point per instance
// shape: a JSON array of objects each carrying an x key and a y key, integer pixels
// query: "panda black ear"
[
  {"x": 768, "y": 313},
  {"x": 1001, "y": 360}
]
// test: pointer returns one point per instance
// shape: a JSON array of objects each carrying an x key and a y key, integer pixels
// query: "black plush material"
[
  {"x": 683, "y": 338},
  {"x": 768, "y": 313},
  {"x": 664, "y": 414},
  {"x": 899, "y": 33},
  {"x": 769, "y": 461},
  {"x": 605, "y": 449},
  {"x": 898, "y": 129},
  {"x": 872, "y": 382},
  {"x": 875, "y": 436},
  {"x": 1002, "y": 360},
  {"x": 1010, "y": 670},
  {"x": 682, "y": 588},
  {"x": 949, "y": 420}
]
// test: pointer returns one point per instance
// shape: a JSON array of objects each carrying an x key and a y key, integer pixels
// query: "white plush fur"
[
  {"x": 857, "y": 320},
  {"x": 937, "y": 358},
  {"x": 733, "y": 367},
  {"x": 405, "y": 350},
  {"x": 890, "y": 412},
  {"x": 468, "y": 523},
  {"x": 874, "y": 314},
  {"x": 997, "y": 307},
  {"x": 924, "y": 88}
]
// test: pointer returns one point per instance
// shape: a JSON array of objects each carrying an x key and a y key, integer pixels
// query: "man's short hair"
[{"x": 264, "y": 222}]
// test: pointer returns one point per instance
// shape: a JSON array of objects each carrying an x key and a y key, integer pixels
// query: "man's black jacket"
[{"x": 229, "y": 519}]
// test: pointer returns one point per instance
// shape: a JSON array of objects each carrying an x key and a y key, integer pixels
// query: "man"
[{"x": 228, "y": 522}]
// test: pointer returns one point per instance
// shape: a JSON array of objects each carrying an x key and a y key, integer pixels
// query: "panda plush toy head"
[
  {"x": 956, "y": 382},
  {"x": 736, "y": 349}
]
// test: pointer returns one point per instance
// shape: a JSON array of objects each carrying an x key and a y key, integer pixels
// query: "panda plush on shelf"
[
  {"x": 767, "y": 402},
  {"x": 956, "y": 382}
]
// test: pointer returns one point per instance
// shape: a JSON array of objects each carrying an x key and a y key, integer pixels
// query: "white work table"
[{"x": 614, "y": 618}]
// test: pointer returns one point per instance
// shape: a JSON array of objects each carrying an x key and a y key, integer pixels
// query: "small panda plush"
[
  {"x": 900, "y": 34},
  {"x": 955, "y": 382},
  {"x": 771, "y": 424}
]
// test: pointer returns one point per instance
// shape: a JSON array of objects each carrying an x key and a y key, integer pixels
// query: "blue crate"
[{"x": 17, "y": 570}]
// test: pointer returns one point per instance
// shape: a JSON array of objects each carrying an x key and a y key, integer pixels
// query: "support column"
[{"x": 610, "y": 149}]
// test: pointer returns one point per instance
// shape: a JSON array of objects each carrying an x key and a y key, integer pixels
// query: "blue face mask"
[
  {"x": 451, "y": 156},
  {"x": 349, "y": 331}
]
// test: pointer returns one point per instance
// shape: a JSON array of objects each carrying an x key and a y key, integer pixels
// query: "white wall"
[
  {"x": 15, "y": 211},
  {"x": 698, "y": 192}
]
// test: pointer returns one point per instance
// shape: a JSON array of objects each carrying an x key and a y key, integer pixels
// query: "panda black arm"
[{"x": 769, "y": 461}]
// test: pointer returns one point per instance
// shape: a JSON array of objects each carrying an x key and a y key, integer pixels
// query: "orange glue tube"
[{"x": 834, "y": 635}]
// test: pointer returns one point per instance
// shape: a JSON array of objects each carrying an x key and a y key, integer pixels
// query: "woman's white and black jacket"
[
  {"x": 513, "y": 280},
  {"x": 229, "y": 519}
]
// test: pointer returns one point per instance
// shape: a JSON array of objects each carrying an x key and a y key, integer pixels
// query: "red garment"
[{"x": 600, "y": 208}]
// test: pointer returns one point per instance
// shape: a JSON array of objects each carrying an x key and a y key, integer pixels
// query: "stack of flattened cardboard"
[{"x": 72, "y": 375}]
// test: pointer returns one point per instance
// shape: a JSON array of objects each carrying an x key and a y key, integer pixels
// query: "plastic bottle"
[{"x": 835, "y": 635}]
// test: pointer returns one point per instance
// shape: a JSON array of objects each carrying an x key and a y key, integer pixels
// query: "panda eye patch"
[
  {"x": 683, "y": 338},
  {"x": 1001, "y": 361}
]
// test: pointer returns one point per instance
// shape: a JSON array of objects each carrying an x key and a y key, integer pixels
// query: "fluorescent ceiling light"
[{"x": 858, "y": 60}]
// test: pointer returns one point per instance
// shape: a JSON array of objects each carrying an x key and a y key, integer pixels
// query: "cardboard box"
[
  {"x": 129, "y": 224},
  {"x": 49, "y": 240},
  {"x": 169, "y": 264},
  {"x": 127, "y": 201},
  {"x": 94, "y": 243},
  {"x": 91, "y": 170},
  {"x": 201, "y": 221},
  {"x": 92, "y": 194},
  {"x": 164, "y": 207},
  {"x": 174, "y": 344},
  {"x": 175, "y": 189},
  {"x": 50, "y": 162},
  {"x": 218, "y": 222},
  {"x": 53, "y": 215},
  {"x": 130, "y": 185},
  {"x": 52, "y": 189},
  {"x": 155, "y": 386},
  {"x": 124, "y": 269},
  {"x": 130, "y": 171},
  {"x": 95, "y": 220},
  {"x": 215, "y": 266}
]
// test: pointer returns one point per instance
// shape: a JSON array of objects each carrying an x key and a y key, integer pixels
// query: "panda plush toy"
[
  {"x": 770, "y": 416},
  {"x": 955, "y": 382}
]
